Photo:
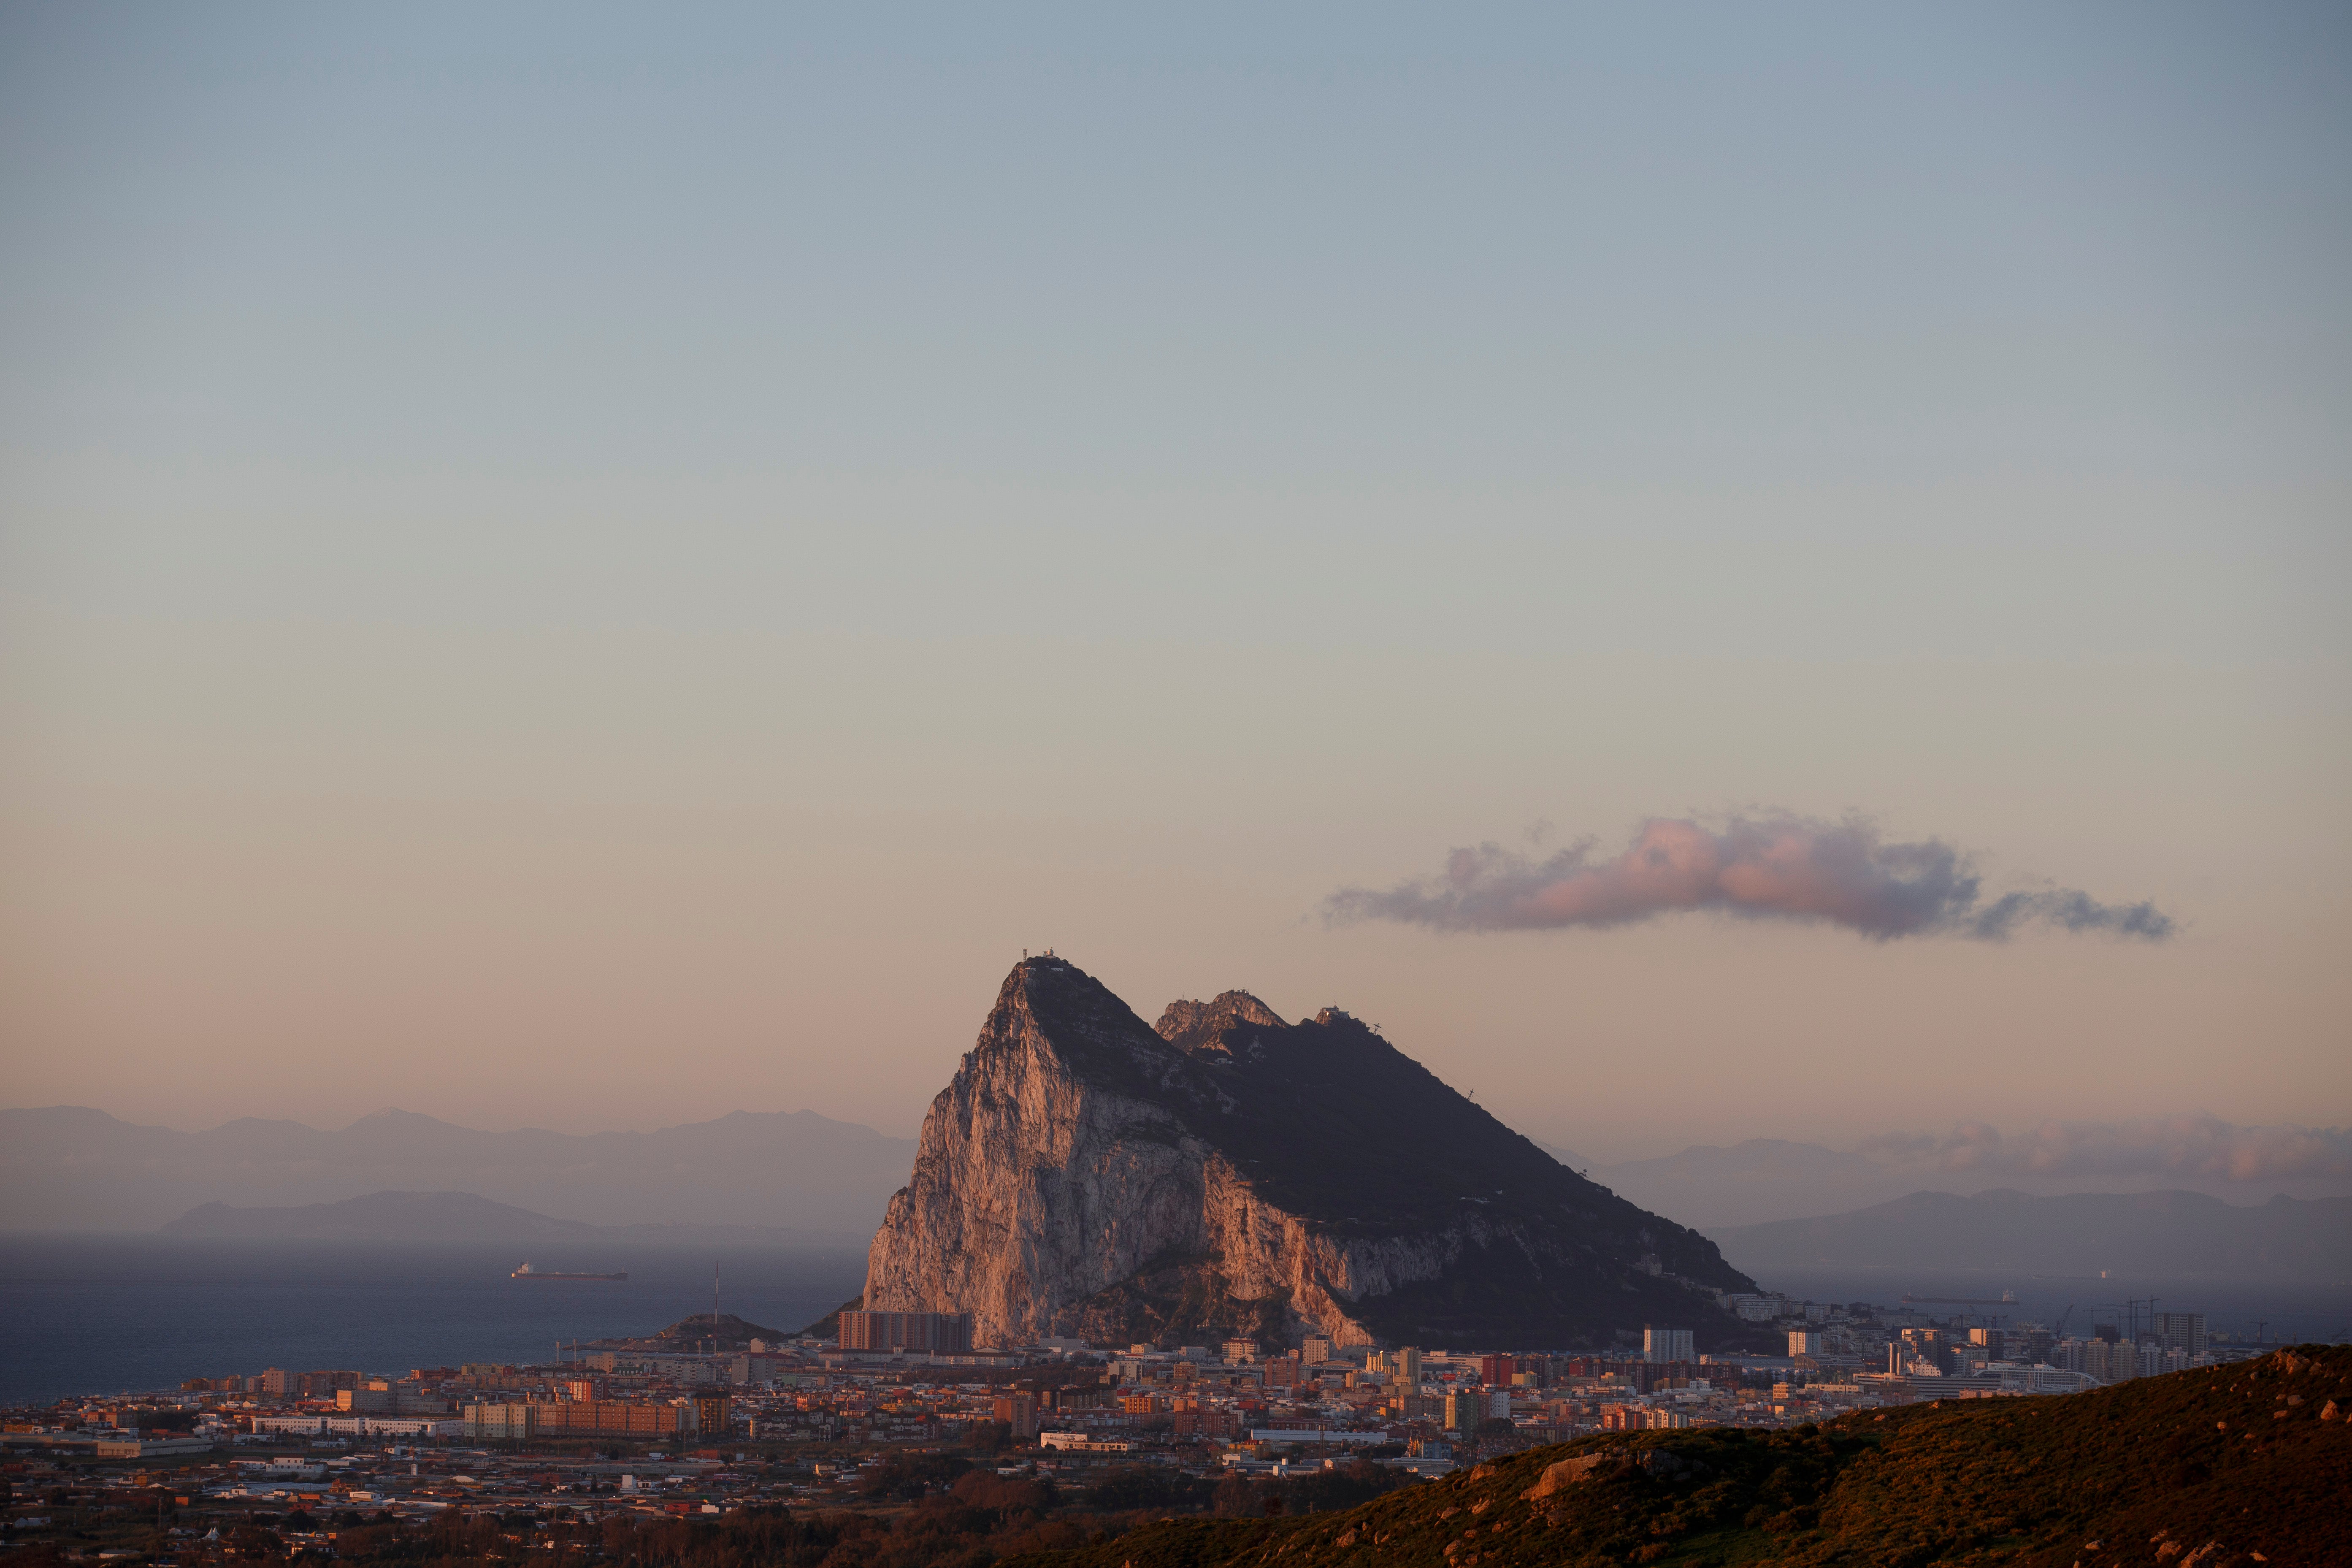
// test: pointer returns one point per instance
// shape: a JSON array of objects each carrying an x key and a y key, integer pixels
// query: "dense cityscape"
[{"x": 716, "y": 1416}]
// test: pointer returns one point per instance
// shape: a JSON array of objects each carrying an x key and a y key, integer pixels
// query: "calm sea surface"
[
  {"x": 2278, "y": 1311},
  {"x": 106, "y": 1314}
]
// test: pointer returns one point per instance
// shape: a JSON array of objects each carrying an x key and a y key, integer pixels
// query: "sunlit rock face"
[{"x": 1227, "y": 1173}]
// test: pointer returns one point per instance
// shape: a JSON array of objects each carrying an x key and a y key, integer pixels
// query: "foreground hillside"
[{"x": 2197, "y": 1470}]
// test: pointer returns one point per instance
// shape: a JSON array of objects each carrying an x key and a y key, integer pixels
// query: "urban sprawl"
[{"x": 899, "y": 1404}]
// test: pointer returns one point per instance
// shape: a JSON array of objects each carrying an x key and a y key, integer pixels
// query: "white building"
[
  {"x": 1667, "y": 1344},
  {"x": 2042, "y": 1379},
  {"x": 132, "y": 1448},
  {"x": 395, "y": 1426}
]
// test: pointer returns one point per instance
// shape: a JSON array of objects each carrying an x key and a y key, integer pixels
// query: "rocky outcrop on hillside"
[{"x": 1085, "y": 1174}]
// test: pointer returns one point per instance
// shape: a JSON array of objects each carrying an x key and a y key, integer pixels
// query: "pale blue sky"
[{"x": 538, "y": 533}]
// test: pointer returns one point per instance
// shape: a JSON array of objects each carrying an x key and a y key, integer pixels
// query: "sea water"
[
  {"x": 2277, "y": 1311},
  {"x": 89, "y": 1314},
  {"x": 113, "y": 1314}
]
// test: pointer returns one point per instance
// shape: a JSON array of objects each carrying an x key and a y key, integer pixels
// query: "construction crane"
[
  {"x": 2128, "y": 1316},
  {"x": 2059, "y": 1332}
]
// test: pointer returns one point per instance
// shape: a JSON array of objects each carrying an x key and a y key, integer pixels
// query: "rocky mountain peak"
[
  {"x": 1212, "y": 1026},
  {"x": 1084, "y": 1173}
]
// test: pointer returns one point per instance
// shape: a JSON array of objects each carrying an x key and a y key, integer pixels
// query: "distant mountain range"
[
  {"x": 2163, "y": 1233},
  {"x": 440, "y": 1217},
  {"x": 71, "y": 1168},
  {"x": 2172, "y": 1233},
  {"x": 1764, "y": 1179}
]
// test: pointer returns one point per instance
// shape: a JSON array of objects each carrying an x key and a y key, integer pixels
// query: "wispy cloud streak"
[{"x": 1774, "y": 866}]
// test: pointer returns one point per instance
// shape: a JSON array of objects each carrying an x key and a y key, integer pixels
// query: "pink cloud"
[{"x": 1776, "y": 866}]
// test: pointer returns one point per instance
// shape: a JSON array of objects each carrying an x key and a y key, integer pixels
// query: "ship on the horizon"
[{"x": 528, "y": 1272}]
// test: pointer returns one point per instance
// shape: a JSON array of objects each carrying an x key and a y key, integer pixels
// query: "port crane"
[{"x": 2127, "y": 1315}]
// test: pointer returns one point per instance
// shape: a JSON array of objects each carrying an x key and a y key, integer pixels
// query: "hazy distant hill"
[
  {"x": 2168, "y": 1233},
  {"x": 1712, "y": 1185},
  {"x": 1760, "y": 1179},
  {"x": 436, "y": 1216},
  {"x": 69, "y": 1168},
  {"x": 384, "y": 1216}
]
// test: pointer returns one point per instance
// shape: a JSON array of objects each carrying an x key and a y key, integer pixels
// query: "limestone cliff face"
[{"x": 1085, "y": 1174}]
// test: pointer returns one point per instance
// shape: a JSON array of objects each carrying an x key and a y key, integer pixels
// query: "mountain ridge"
[
  {"x": 1085, "y": 1173},
  {"x": 1759, "y": 1180},
  {"x": 78, "y": 1168},
  {"x": 2174, "y": 1232},
  {"x": 455, "y": 1217}
]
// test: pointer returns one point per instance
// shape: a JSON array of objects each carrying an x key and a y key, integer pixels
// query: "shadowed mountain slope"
[{"x": 1085, "y": 1175}]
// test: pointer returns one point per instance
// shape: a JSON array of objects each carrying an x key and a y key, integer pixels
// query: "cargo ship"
[{"x": 528, "y": 1272}]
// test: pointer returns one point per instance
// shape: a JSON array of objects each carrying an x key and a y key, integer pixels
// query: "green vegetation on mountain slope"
[{"x": 2234, "y": 1464}]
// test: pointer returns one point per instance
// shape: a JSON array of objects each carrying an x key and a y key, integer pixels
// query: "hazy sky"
[{"x": 592, "y": 566}]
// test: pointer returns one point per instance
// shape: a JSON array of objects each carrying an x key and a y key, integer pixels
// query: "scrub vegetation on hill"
[{"x": 2236, "y": 1465}]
